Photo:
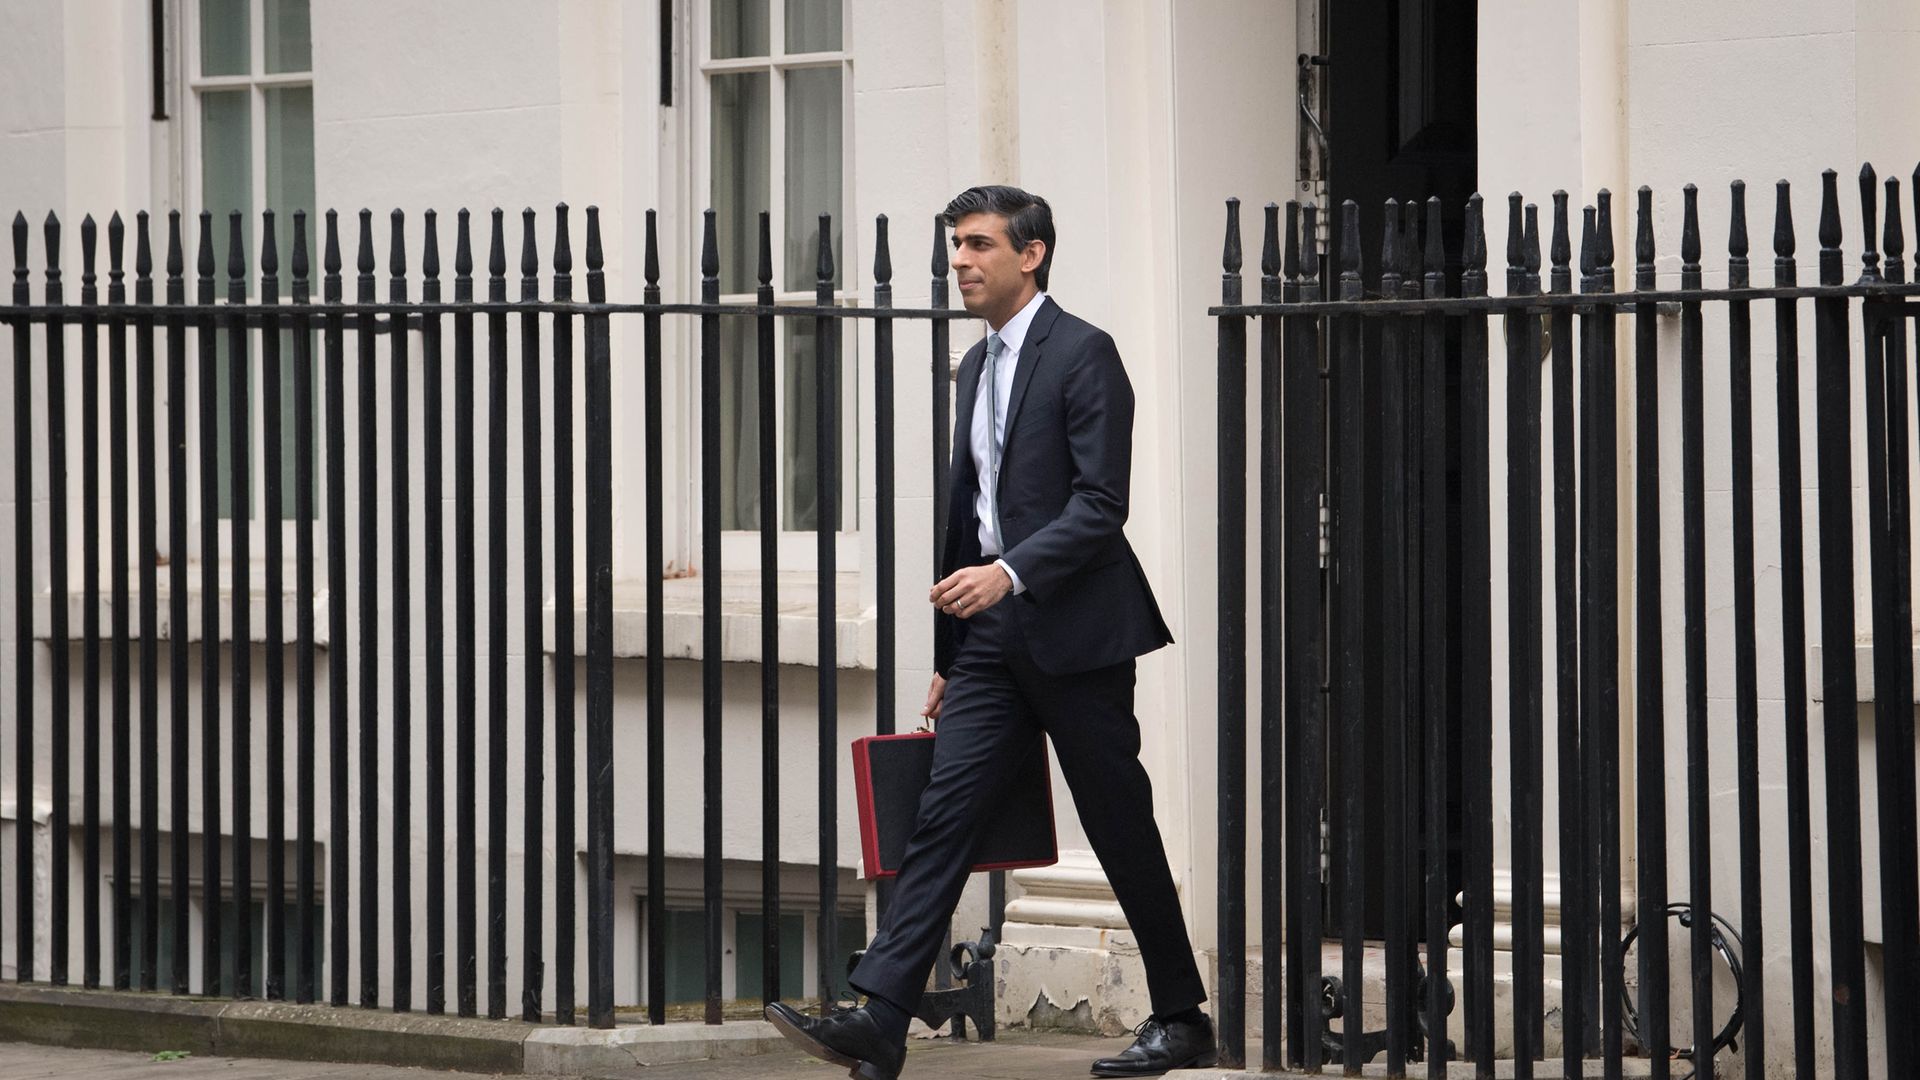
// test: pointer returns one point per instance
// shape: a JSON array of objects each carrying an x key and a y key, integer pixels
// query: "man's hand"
[
  {"x": 970, "y": 591},
  {"x": 936, "y": 697}
]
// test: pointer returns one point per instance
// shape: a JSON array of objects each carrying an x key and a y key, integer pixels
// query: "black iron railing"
[
  {"x": 223, "y": 336},
  {"x": 1376, "y": 587}
]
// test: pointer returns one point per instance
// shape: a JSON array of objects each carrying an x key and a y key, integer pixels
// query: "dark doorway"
[{"x": 1399, "y": 118}]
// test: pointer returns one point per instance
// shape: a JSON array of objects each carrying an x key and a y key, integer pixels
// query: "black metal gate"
[{"x": 1377, "y": 593}]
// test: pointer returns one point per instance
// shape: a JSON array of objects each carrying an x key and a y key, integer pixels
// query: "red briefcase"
[{"x": 890, "y": 773}]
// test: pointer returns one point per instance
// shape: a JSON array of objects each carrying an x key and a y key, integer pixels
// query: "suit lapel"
[
  {"x": 1031, "y": 351},
  {"x": 966, "y": 387}
]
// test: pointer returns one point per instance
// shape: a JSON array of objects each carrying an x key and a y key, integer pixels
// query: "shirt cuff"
[{"x": 1018, "y": 588}]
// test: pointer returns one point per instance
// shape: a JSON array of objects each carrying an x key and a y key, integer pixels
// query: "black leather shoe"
[
  {"x": 851, "y": 1039},
  {"x": 1159, "y": 1047}
]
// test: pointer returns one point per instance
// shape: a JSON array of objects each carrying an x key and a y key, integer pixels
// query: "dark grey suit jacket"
[{"x": 1064, "y": 475}]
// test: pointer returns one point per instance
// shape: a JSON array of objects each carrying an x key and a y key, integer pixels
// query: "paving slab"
[
  {"x": 26, "y": 1061},
  {"x": 1016, "y": 1055}
]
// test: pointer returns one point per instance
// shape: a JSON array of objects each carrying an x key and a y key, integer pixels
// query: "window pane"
[
  {"x": 813, "y": 26},
  {"x": 223, "y": 426},
  {"x": 739, "y": 28},
  {"x": 739, "y": 425},
  {"x": 289, "y": 162},
  {"x": 289, "y": 36},
  {"x": 749, "y": 966},
  {"x": 686, "y": 957},
  {"x": 813, "y": 172},
  {"x": 800, "y": 507},
  {"x": 226, "y": 158},
  {"x": 162, "y": 974},
  {"x": 740, "y": 164},
  {"x": 225, "y": 48},
  {"x": 850, "y": 935},
  {"x": 289, "y": 434}
]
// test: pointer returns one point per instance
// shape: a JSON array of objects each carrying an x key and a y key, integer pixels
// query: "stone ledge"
[
  {"x": 208, "y": 1027},
  {"x": 556, "y": 1051}
]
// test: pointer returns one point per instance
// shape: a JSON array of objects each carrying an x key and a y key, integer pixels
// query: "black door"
[{"x": 1399, "y": 119}]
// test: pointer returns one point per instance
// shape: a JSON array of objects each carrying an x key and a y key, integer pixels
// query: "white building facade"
[{"x": 1137, "y": 119}]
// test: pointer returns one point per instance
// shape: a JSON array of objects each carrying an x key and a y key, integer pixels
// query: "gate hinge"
[{"x": 1326, "y": 533}]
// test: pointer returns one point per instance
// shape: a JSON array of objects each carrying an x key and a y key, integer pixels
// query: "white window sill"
[
  {"x": 856, "y": 623},
  {"x": 163, "y": 596},
  {"x": 1862, "y": 669}
]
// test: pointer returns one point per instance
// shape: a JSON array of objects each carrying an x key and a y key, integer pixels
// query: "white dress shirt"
[{"x": 987, "y": 433}]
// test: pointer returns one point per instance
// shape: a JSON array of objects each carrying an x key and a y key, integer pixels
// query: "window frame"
[
  {"x": 797, "y": 551},
  {"x": 191, "y": 200}
]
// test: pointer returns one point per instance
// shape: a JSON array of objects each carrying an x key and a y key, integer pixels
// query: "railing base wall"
[{"x": 208, "y": 1027}]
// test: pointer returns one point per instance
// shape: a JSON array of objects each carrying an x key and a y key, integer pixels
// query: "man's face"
[{"x": 995, "y": 279}]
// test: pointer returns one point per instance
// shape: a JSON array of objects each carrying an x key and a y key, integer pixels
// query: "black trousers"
[{"x": 997, "y": 704}]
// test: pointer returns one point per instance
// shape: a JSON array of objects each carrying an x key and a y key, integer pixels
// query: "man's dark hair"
[{"x": 1029, "y": 218}]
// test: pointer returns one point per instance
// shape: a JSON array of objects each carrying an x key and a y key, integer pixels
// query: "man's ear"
[{"x": 1032, "y": 256}]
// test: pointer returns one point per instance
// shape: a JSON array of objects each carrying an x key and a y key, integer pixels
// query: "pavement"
[{"x": 1015, "y": 1054}]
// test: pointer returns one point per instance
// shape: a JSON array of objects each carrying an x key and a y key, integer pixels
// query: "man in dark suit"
[{"x": 1043, "y": 608}]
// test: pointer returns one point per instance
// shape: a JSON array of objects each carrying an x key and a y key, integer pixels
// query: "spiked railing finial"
[
  {"x": 203, "y": 262},
  {"x": 1830, "y": 210},
  {"x": 529, "y": 244},
  {"x": 430, "y": 245},
  {"x": 1589, "y": 243},
  {"x": 20, "y": 272},
  {"x": 709, "y": 248},
  {"x": 824, "y": 245},
  {"x": 562, "y": 242},
  {"x": 1531, "y": 239},
  {"x": 497, "y": 246},
  {"x": 651, "y": 263},
  {"x": 596, "y": 260},
  {"x": 330, "y": 256},
  {"x": 142, "y": 245},
  {"x": 1783, "y": 243},
  {"x": 1349, "y": 249},
  {"x": 1310, "y": 261},
  {"x": 51, "y": 234},
  {"x": 1643, "y": 231},
  {"x": 1476, "y": 234},
  {"x": 1603, "y": 227},
  {"x": 1869, "y": 225},
  {"x": 1737, "y": 224},
  {"x": 397, "y": 248},
  {"x": 1270, "y": 241},
  {"x": 1230, "y": 248},
  {"x": 1391, "y": 245},
  {"x": 1562, "y": 253},
  {"x": 1290, "y": 257},
  {"x": 1690, "y": 229},
  {"x": 1893, "y": 240},
  {"x": 363, "y": 259},
  {"x": 1435, "y": 255},
  {"x": 1516, "y": 232},
  {"x": 116, "y": 249},
  {"x": 269, "y": 246},
  {"x": 176, "y": 246},
  {"x": 463, "y": 244},
  {"x": 298, "y": 263},
  {"x": 236, "y": 247},
  {"x": 89, "y": 241}
]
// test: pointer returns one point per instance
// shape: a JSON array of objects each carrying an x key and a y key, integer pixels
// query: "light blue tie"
[{"x": 995, "y": 347}]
